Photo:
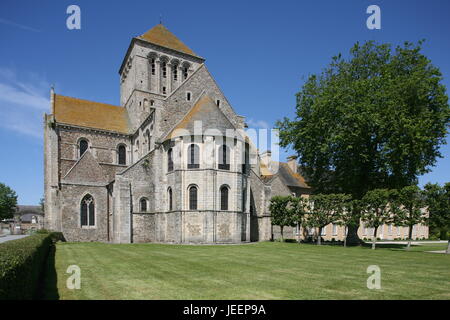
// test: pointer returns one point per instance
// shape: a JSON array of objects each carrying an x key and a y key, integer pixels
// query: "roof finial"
[{"x": 160, "y": 18}]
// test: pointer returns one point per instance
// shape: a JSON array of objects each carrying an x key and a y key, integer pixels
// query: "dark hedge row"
[{"x": 22, "y": 265}]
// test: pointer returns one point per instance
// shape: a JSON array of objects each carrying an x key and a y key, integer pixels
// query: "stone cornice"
[
  {"x": 188, "y": 211},
  {"x": 160, "y": 48},
  {"x": 94, "y": 130},
  {"x": 84, "y": 184},
  {"x": 163, "y": 97}
]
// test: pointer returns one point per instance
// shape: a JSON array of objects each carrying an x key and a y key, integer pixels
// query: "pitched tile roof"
[
  {"x": 85, "y": 113},
  {"x": 287, "y": 176},
  {"x": 26, "y": 213},
  {"x": 22, "y": 209},
  {"x": 161, "y": 36},
  {"x": 265, "y": 170}
]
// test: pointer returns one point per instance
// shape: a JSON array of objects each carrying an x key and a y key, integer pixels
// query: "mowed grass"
[{"x": 253, "y": 271}]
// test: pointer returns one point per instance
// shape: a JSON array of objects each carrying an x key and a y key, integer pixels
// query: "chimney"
[
  {"x": 241, "y": 121},
  {"x": 292, "y": 163},
  {"x": 52, "y": 99},
  {"x": 266, "y": 158}
]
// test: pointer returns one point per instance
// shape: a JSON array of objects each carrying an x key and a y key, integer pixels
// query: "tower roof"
[{"x": 161, "y": 36}]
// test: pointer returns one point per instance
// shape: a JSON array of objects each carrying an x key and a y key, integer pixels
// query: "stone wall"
[
  {"x": 144, "y": 227},
  {"x": 102, "y": 145},
  {"x": 131, "y": 185},
  {"x": 70, "y": 202},
  {"x": 89, "y": 175}
]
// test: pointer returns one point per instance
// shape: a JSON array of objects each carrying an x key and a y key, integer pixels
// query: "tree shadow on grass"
[
  {"x": 368, "y": 245},
  {"x": 392, "y": 246},
  {"x": 385, "y": 246},
  {"x": 49, "y": 289}
]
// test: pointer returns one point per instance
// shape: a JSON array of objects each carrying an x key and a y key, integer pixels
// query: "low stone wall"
[{"x": 5, "y": 229}]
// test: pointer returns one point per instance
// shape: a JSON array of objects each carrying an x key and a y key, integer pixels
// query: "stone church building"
[{"x": 171, "y": 164}]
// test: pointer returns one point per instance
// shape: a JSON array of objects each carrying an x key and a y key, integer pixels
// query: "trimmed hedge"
[
  {"x": 22, "y": 264},
  {"x": 56, "y": 236}
]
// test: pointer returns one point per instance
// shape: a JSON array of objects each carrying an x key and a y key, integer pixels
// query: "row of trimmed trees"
[{"x": 405, "y": 207}]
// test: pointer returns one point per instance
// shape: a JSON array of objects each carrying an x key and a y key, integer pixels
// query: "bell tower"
[{"x": 156, "y": 64}]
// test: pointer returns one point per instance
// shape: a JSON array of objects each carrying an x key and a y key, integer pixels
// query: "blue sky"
[{"x": 259, "y": 52}]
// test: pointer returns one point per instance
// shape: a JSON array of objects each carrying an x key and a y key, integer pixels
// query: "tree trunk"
[
  {"x": 352, "y": 238},
  {"x": 374, "y": 238},
  {"x": 409, "y": 237},
  {"x": 319, "y": 237},
  {"x": 345, "y": 236},
  {"x": 281, "y": 230},
  {"x": 448, "y": 248},
  {"x": 299, "y": 233}
]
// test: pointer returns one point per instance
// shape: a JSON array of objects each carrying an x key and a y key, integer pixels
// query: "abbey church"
[{"x": 172, "y": 163}]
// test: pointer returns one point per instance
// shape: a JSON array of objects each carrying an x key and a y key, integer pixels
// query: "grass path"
[{"x": 254, "y": 271}]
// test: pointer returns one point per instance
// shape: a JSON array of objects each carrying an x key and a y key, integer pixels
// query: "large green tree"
[
  {"x": 8, "y": 202},
  {"x": 437, "y": 199},
  {"x": 374, "y": 120}
]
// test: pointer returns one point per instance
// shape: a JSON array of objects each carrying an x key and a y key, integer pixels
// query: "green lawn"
[{"x": 253, "y": 271}]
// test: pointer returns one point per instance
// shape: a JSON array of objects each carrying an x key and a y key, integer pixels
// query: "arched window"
[
  {"x": 143, "y": 205},
  {"x": 193, "y": 198},
  {"x": 185, "y": 71},
  {"x": 246, "y": 164},
  {"x": 87, "y": 211},
  {"x": 137, "y": 149},
  {"x": 164, "y": 69},
  {"x": 244, "y": 200},
  {"x": 224, "y": 198},
  {"x": 193, "y": 157},
  {"x": 252, "y": 204},
  {"x": 170, "y": 160},
  {"x": 153, "y": 63},
  {"x": 224, "y": 157},
  {"x": 146, "y": 105},
  {"x": 169, "y": 196},
  {"x": 83, "y": 146},
  {"x": 175, "y": 72},
  {"x": 122, "y": 154},
  {"x": 148, "y": 138}
]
